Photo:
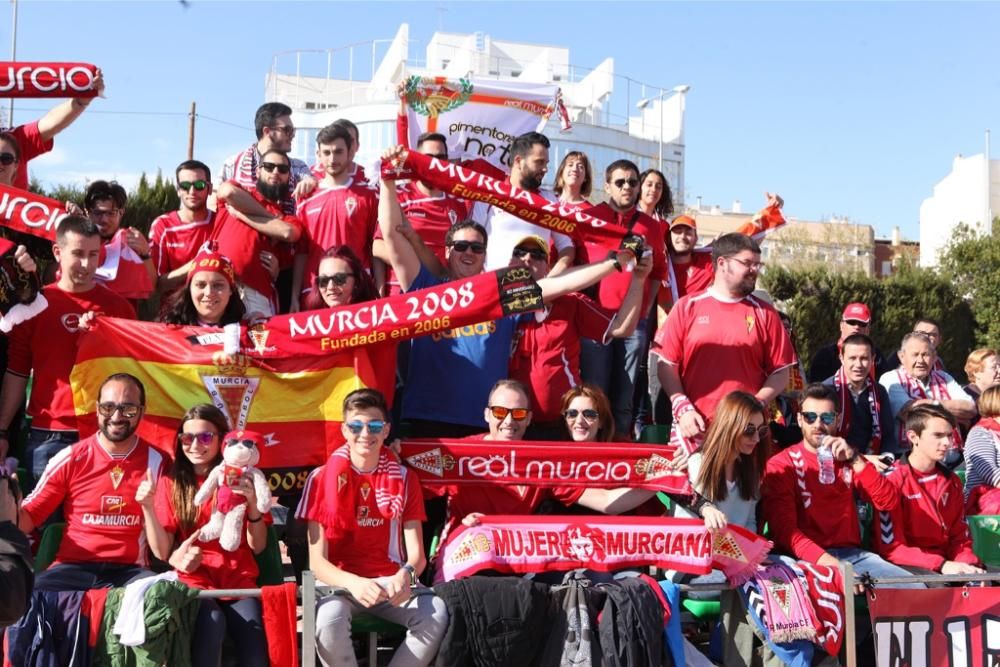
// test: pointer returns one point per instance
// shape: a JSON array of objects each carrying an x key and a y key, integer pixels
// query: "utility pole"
[
  {"x": 191, "y": 118},
  {"x": 13, "y": 57}
]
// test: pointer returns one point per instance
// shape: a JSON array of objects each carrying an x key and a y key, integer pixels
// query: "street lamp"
[{"x": 645, "y": 102}]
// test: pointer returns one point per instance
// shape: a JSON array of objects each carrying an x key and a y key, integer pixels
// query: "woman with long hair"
[
  {"x": 574, "y": 180},
  {"x": 340, "y": 281},
  {"x": 729, "y": 468},
  {"x": 172, "y": 523},
  {"x": 655, "y": 198},
  {"x": 209, "y": 297}
]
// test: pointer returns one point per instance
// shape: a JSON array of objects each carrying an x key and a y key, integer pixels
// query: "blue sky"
[{"x": 852, "y": 109}]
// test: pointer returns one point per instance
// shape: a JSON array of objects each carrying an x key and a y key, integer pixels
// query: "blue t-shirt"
[{"x": 451, "y": 372}]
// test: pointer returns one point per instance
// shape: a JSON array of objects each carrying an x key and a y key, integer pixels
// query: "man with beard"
[
  {"x": 175, "y": 237},
  {"x": 615, "y": 367},
  {"x": 721, "y": 340},
  {"x": 866, "y": 416},
  {"x": 249, "y": 226},
  {"x": 275, "y": 131},
  {"x": 45, "y": 345},
  {"x": 341, "y": 211},
  {"x": 95, "y": 481},
  {"x": 126, "y": 265},
  {"x": 529, "y": 164}
]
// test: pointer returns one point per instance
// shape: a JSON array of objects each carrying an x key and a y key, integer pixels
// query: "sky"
[{"x": 847, "y": 109}]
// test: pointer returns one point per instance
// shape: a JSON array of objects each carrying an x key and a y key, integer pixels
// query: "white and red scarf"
[
  {"x": 843, "y": 386},
  {"x": 122, "y": 270},
  {"x": 597, "y": 465},
  {"x": 520, "y": 544},
  {"x": 31, "y": 79},
  {"x": 938, "y": 386},
  {"x": 341, "y": 486},
  {"x": 29, "y": 213}
]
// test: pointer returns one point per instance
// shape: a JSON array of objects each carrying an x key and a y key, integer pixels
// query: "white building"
[
  {"x": 613, "y": 116},
  {"x": 969, "y": 194}
]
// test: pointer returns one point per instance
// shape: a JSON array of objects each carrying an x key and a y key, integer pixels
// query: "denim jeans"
[
  {"x": 865, "y": 562},
  {"x": 613, "y": 368},
  {"x": 43, "y": 445}
]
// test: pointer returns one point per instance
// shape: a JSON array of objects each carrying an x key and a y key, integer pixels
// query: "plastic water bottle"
[{"x": 824, "y": 455}]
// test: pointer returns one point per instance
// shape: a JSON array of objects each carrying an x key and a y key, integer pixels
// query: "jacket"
[
  {"x": 493, "y": 621},
  {"x": 16, "y": 575},
  {"x": 928, "y": 526},
  {"x": 631, "y": 624},
  {"x": 51, "y": 633}
]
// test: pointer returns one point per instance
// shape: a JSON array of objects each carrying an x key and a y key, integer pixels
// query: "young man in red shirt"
[
  {"x": 252, "y": 228},
  {"x": 45, "y": 345},
  {"x": 927, "y": 532},
  {"x": 721, "y": 340},
  {"x": 365, "y": 511},
  {"x": 126, "y": 265},
  {"x": 95, "y": 481},
  {"x": 175, "y": 237},
  {"x": 814, "y": 519},
  {"x": 341, "y": 211}
]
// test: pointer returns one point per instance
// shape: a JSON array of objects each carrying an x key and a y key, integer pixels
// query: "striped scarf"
[
  {"x": 938, "y": 386},
  {"x": 843, "y": 386},
  {"x": 341, "y": 487}
]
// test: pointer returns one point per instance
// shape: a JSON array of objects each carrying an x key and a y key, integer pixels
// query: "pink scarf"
[
  {"x": 787, "y": 611},
  {"x": 847, "y": 403}
]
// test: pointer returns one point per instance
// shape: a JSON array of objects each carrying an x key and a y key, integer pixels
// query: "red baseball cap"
[
  {"x": 684, "y": 220},
  {"x": 857, "y": 311}
]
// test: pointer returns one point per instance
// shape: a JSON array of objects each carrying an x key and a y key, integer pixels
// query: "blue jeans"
[
  {"x": 613, "y": 368},
  {"x": 865, "y": 562},
  {"x": 43, "y": 445},
  {"x": 84, "y": 576}
]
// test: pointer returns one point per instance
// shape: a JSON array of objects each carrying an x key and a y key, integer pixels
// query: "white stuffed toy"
[{"x": 240, "y": 453}]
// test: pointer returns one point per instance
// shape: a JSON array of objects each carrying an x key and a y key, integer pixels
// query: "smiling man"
[
  {"x": 866, "y": 421},
  {"x": 45, "y": 346}
]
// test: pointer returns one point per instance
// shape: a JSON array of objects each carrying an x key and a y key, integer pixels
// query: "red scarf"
[
  {"x": 465, "y": 183},
  {"x": 27, "y": 212},
  {"x": 482, "y": 298},
  {"x": 122, "y": 270},
  {"x": 592, "y": 465},
  {"x": 24, "y": 79},
  {"x": 520, "y": 544},
  {"x": 843, "y": 387},
  {"x": 826, "y": 589},
  {"x": 338, "y": 511},
  {"x": 938, "y": 391}
]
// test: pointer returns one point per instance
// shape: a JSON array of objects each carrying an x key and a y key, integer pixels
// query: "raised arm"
[
  {"x": 582, "y": 277},
  {"x": 62, "y": 116},
  {"x": 399, "y": 251}
]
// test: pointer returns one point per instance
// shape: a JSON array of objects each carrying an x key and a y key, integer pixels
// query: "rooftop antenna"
[{"x": 440, "y": 9}]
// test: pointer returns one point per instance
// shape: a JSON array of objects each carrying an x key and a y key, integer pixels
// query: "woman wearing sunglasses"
[
  {"x": 340, "y": 281},
  {"x": 587, "y": 414},
  {"x": 172, "y": 522},
  {"x": 209, "y": 298}
]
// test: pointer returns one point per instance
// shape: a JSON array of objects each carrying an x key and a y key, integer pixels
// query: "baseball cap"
[
  {"x": 857, "y": 311},
  {"x": 684, "y": 220},
  {"x": 533, "y": 240}
]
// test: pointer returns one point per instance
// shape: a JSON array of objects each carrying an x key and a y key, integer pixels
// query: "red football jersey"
[
  {"x": 720, "y": 346},
  {"x": 376, "y": 547},
  {"x": 31, "y": 144},
  {"x": 47, "y": 344},
  {"x": 97, "y": 491}
]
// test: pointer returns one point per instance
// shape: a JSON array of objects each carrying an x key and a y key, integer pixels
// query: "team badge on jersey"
[
  {"x": 366, "y": 489},
  {"x": 750, "y": 323},
  {"x": 452, "y": 216},
  {"x": 350, "y": 204},
  {"x": 117, "y": 474}
]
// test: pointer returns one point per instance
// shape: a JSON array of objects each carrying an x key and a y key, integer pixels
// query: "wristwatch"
[
  {"x": 613, "y": 256},
  {"x": 413, "y": 573}
]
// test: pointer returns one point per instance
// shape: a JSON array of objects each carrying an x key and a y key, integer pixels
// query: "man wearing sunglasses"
[
  {"x": 856, "y": 319},
  {"x": 341, "y": 211},
  {"x": 275, "y": 131},
  {"x": 529, "y": 164},
  {"x": 44, "y": 347},
  {"x": 429, "y": 211},
  {"x": 546, "y": 356},
  {"x": 253, "y": 230},
  {"x": 818, "y": 522},
  {"x": 175, "y": 237},
  {"x": 615, "y": 367},
  {"x": 450, "y": 373},
  {"x": 95, "y": 481}
]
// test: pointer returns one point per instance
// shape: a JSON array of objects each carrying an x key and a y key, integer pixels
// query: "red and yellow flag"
[{"x": 294, "y": 402}]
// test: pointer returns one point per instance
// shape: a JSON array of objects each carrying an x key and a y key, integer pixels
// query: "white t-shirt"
[
  {"x": 505, "y": 231},
  {"x": 738, "y": 512}
]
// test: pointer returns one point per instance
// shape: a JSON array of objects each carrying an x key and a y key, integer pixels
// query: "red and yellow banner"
[
  {"x": 938, "y": 626},
  {"x": 294, "y": 402},
  {"x": 24, "y": 79}
]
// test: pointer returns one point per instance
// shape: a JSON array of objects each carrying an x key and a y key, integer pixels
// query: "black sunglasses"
[
  {"x": 588, "y": 414},
  {"x": 827, "y": 417},
  {"x": 128, "y": 410},
  {"x": 198, "y": 185},
  {"x": 856, "y": 323},
  {"x": 462, "y": 246},
  {"x": 761, "y": 431},
  {"x": 271, "y": 166},
  {"x": 620, "y": 182},
  {"x": 249, "y": 444},
  {"x": 338, "y": 279},
  {"x": 7, "y": 159},
  {"x": 534, "y": 253}
]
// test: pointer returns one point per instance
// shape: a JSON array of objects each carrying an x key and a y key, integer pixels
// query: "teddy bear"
[{"x": 240, "y": 453}]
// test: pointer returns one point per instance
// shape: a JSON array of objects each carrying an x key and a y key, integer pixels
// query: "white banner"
[{"x": 480, "y": 118}]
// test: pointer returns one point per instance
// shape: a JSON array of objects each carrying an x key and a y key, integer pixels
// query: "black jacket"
[{"x": 16, "y": 574}]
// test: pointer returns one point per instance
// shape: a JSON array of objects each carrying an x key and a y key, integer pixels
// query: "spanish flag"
[{"x": 294, "y": 402}]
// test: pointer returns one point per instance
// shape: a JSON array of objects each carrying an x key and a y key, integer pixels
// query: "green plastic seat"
[
  {"x": 985, "y": 530},
  {"x": 655, "y": 434},
  {"x": 374, "y": 626},
  {"x": 49, "y": 545},
  {"x": 961, "y": 475},
  {"x": 270, "y": 570},
  {"x": 702, "y": 610}
]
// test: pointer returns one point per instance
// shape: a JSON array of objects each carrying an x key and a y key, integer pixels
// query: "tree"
[{"x": 972, "y": 263}]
